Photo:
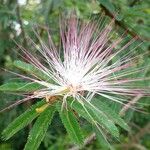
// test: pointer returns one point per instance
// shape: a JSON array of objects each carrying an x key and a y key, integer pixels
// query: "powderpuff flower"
[{"x": 88, "y": 64}]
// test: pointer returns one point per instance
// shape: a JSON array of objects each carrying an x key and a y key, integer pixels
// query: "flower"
[{"x": 89, "y": 63}]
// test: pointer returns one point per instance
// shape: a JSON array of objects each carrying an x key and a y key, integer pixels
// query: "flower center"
[{"x": 73, "y": 89}]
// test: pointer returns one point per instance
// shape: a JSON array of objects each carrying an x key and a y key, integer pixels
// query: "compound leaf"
[
  {"x": 92, "y": 114},
  {"x": 39, "y": 129},
  {"x": 71, "y": 124},
  {"x": 110, "y": 113},
  {"x": 23, "y": 120}
]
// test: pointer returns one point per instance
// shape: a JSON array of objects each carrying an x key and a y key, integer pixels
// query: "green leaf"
[
  {"x": 110, "y": 113},
  {"x": 30, "y": 69},
  {"x": 79, "y": 109},
  {"x": 108, "y": 5},
  {"x": 19, "y": 87},
  {"x": 94, "y": 115},
  {"x": 21, "y": 121},
  {"x": 102, "y": 118},
  {"x": 71, "y": 124},
  {"x": 111, "y": 8},
  {"x": 39, "y": 129},
  {"x": 102, "y": 139}
]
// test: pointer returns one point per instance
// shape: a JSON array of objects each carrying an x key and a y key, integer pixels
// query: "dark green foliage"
[
  {"x": 21, "y": 121},
  {"x": 39, "y": 129}
]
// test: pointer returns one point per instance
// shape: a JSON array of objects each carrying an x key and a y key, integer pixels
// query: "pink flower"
[{"x": 89, "y": 63}]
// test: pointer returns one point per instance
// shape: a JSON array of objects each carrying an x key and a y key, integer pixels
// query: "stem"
[
  {"x": 87, "y": 141},
  {"x": 130, "y": 104}
]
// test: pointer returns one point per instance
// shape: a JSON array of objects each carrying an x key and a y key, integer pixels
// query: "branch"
[
  {"x": 142, "y": 132},
  {"x": 123, "y": 25},
  {"x": 87, "y": 141},
  {"x": 130, "y": 104},
  {"x": 134, "y": 141}
]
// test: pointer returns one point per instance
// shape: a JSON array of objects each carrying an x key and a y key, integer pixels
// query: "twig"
[
  {"x": 142, "y": 132},
  {"x": 130, "y": 104},
  {"x": 87, "y": 141},
  {"x": 134, "y": 140}
]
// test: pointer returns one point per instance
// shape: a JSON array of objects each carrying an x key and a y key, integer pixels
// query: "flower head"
[{"x": 89, "y": 63}]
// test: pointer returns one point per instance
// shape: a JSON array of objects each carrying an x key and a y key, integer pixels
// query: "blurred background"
[{"x": 17, "y": 20}]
